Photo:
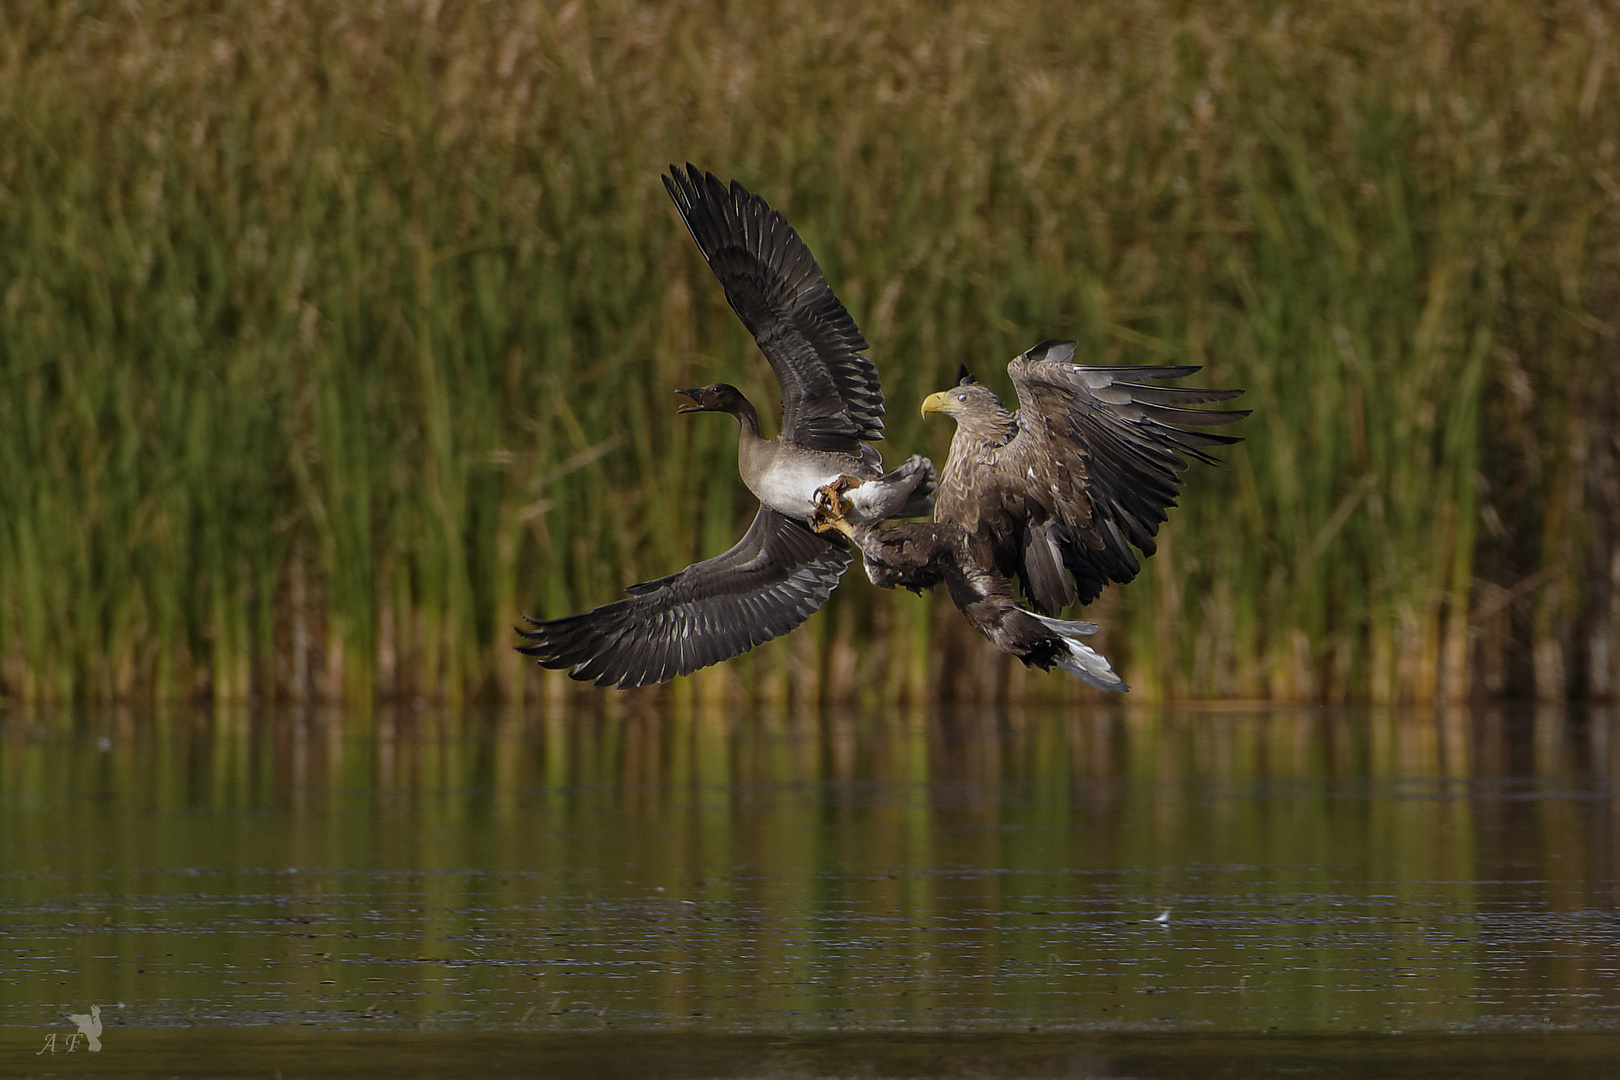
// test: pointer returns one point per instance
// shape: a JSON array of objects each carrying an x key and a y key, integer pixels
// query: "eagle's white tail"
[{"x": 1083, "y": 662}]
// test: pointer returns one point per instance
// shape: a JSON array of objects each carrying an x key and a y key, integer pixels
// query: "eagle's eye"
[{"x": 961, "y": 397}]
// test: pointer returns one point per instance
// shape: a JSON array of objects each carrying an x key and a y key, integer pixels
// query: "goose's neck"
[
  {"x": 747, "y": 418},
  {"x": 755, "y": 453}
]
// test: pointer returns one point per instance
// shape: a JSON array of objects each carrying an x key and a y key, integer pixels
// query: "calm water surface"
[{"x": 1120, "y": 893}]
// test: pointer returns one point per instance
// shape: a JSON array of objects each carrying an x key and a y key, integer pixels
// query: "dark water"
[{"x": 1128, "y": 893}]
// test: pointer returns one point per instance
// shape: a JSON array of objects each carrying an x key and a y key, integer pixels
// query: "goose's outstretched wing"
[
  {"x": 775, "y": 578},
  {"x": 831, "y": 397},
  {"x": 1097, "y": 461}
]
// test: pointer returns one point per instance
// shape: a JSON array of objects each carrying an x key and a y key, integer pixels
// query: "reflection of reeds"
[
  {"x": 992, "y": 862},
  {"x": 333, "y": 341}
]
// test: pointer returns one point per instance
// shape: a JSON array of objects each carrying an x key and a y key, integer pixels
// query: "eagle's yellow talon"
[{"x": 831, "y": 507}]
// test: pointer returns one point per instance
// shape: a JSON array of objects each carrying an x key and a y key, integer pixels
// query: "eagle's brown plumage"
[
  {"x": 1055, "y": 495},
  {"x": 1059, "y": 493},
  {"x": 921, "y": 554}
]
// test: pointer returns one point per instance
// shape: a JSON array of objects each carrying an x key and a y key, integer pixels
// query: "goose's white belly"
[{"x": 790, "y": 483}]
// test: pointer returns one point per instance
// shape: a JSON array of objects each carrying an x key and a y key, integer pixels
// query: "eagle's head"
[{"x": 974, "y": 408}]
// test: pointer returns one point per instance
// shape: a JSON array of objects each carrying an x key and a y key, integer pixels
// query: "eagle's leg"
[
  {"x": 839, "y": 486},
  {"x": 831, "y": 506}
]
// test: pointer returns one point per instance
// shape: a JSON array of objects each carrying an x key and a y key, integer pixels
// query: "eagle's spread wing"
[
  {"x": 775, "y": 578},
  {"x": 831, "y": 397},
  {"x": 1096, "y": 463}
]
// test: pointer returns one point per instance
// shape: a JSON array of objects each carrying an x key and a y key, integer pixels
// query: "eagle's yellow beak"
[{"x": 936, "y": 403}]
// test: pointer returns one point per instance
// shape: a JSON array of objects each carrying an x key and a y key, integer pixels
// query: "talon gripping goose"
[{"x": 781, "y": 571}]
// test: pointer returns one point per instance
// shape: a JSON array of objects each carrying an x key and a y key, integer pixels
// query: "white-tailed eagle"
[{"x": 1055, "y": 496}]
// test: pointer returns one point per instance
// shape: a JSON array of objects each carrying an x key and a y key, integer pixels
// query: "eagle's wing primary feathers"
[
  {"x": 1103, "y": 453},
  {"x": 775, "y": 578},
  {"x": 831, "y": 397}
]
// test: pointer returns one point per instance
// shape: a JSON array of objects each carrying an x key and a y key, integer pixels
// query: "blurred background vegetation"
[{"x": 336, "y": 336}]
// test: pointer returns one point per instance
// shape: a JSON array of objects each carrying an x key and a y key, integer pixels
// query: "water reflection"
[{"x": 1323, "y": 872}]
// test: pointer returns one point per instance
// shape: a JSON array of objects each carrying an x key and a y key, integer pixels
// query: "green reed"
[{"x": 335, "y": 341}]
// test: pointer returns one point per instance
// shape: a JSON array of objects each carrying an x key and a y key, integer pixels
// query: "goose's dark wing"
[
  {"x": 1100, "y": 453},
  {"x": 831, "y": 398},
  {"x": 775, "y": 578}
]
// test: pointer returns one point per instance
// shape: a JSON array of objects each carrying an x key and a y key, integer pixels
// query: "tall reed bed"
[{"x": 335, "y": 337}]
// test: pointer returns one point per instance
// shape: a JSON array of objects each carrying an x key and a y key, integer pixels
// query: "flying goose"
[{"x": 781, "y": 571}]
